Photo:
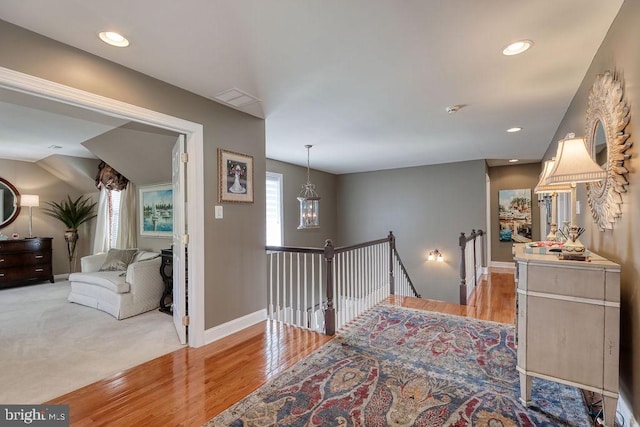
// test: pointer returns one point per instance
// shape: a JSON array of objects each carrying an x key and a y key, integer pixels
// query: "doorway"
[{"x": 194, "y": 174}]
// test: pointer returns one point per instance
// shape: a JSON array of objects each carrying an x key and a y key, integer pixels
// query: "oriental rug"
[{"x": 402, "y": 367}]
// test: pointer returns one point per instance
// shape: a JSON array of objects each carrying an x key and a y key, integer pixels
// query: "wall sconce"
[
  {"x": 309, "y": 202},
  {"x": 31, "y": 201},
  {"x": 574, "y": 165},
  {"x": 435, "y": 256}
]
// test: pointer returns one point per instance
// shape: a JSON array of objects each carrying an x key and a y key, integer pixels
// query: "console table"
[
  {"x": 25, "y": 261},
  {"x": 568, "y": 324}
]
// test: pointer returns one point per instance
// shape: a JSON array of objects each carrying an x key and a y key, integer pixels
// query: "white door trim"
[{"x": 25, "y": 83}]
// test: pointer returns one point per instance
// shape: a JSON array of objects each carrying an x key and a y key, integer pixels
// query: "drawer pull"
[
  {"x": 38, "y": 270},
  {"x": 2, "y": 260},
  {"x": 1, "y": 274},
  {"x": 39, "y": 256}
]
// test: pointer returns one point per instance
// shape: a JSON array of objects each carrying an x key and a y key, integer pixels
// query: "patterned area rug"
[{"x": 403, "y": 367}]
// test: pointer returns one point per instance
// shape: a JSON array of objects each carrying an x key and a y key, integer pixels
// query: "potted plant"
[{"x": 72, "y": 213}]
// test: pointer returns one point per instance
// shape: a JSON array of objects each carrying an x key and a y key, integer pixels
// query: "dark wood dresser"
[{"x": 25, "y": 261}]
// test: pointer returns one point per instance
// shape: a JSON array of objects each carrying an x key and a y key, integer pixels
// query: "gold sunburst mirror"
[{"x": 607, "y": 118}]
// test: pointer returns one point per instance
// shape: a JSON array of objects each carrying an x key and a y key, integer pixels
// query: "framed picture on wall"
[
  {"x": 514, "y": 215},
  {"x": 155, "y": 206},
  {"x": 235, "y": 177}
]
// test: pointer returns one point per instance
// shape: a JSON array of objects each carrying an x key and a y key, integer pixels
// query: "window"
[
  {"x": 274, "y": 209},
  {"x": 113, "y": 216}
]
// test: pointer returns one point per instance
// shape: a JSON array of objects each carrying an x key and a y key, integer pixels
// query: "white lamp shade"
[
  {"x": 29, "y": 200},
  {"x": 574, "y": 164},
  {"x": 543, "y": 188}
]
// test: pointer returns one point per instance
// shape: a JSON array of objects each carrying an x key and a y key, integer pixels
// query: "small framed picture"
[
  {"x": 155, "y": 205},
  {"x": 235, "y": 177}
]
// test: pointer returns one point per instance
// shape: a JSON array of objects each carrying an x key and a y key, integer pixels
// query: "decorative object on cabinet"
[
  {"x": 30, "y": 201},
  {"x": 568, "y": 324},
  {"x": 25, "y": 261},
  {"x": 574, "y": 165},
  {"x": 607, "y": 118},
  {"x": 543, "y": 188},
  {"x": 9, "y": 206},
  {"x": 156, "y": 210},
  {"x": 72, "y": 213},
  {"x": 235, "y": 177},
  {"x": 514, "y": 215},
  {"x": 309, "y": 202}
]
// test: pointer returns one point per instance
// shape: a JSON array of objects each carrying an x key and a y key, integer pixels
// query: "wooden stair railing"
[
  {"x": 355, "y": 278},
  {"x": 472, "y": 254}
]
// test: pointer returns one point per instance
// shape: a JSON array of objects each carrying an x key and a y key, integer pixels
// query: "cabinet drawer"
[
  {"x": 25, "y": 245},
  {"x": 28, "y": 258},
  {"x": 25, "y": 273}
]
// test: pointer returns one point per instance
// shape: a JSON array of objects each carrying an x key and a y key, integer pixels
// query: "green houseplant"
[{"x": 72, "y": 213}]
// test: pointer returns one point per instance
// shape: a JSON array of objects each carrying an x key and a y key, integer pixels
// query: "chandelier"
[{"x": 309, "y": 202}]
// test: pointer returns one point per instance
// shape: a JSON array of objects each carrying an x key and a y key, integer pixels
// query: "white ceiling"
[
  {"x": 29, "y": 126},
  {"x": 366, "y": 82}
]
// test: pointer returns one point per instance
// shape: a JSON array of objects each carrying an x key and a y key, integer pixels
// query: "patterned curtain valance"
[{"x": 109, "y": 178}]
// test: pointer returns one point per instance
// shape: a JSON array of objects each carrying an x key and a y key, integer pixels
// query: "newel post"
[
  {"x": 462, "y": 241},
  {"x": 392, "y": 248},
  {"x": 330, "y": 312}
]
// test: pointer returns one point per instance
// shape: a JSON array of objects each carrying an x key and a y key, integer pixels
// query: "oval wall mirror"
[
  {"x": 9, "y": 206},
  {"x": 607, "y": 117}
]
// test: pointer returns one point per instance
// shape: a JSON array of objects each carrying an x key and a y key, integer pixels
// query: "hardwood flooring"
[{"x": 190, "y": 386}]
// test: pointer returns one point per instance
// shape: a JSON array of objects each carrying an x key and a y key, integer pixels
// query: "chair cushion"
[
  {"x": 118, "y": 259},
  {"x": 112, "y": 280},
  {"x": 145, "y": 256}
]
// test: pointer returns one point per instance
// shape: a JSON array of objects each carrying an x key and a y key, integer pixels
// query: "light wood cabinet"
[{"x": 568, "y": 324}]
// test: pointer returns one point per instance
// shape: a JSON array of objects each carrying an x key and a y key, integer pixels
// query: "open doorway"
[{"x": 190, "y": 179}]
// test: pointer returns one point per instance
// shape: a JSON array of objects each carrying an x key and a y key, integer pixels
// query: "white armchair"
[{"x": 120, "y": 293}]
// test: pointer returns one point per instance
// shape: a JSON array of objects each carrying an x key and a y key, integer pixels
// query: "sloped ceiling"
[{"x": 139, "y": 152}]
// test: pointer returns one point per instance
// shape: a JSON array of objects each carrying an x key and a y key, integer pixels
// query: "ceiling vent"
[{"x": 236, "y": 98}]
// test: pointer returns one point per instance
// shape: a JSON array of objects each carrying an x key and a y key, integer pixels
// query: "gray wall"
[
  {"x": 426, "y": 208},
  {"x": 512, "y": 177},
  {"x": 293, "y": 177},
  {"x": 29, "y": 178},
  {"x": 231, "y": 289},
  {"x": 620, "y": 51}
]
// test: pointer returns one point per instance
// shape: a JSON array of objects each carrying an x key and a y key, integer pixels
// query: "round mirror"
[
  {"x": 607, "y": 117},
  {"x": 9, "y": 206}
]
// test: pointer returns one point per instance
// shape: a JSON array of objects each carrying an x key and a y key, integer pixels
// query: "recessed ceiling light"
[
  {"x": 514, "y": 129},
  {"x": 517, "y": 47},
  {"x": 513, "y": 161},
  {"x": 114, "y": 39}
]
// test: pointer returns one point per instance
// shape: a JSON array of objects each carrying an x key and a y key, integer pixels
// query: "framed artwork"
[
  {"x": 514, "y": 215},
  {"x": 235, "y": 177},
  {"x": 155, "y": 205}
]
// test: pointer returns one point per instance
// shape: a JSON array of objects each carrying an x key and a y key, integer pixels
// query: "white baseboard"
[
  {"x": 500, "y": 264},
  {"x": 624, "y": 409},
  {"x": 235, "y": 325}
]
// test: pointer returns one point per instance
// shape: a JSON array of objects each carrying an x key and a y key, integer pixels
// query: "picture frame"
[
  {"x": 514, "y": 215},
  {"x": 155, "y": 210},
  {"x": 235, "y": 177}
]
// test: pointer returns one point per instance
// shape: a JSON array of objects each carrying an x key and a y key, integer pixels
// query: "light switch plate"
[
  {"x": 577, "y": 207},
  {"x": 219, "y": 213}
]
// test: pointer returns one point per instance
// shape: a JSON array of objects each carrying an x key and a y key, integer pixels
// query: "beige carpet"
[{"x": 49, "y": 346}]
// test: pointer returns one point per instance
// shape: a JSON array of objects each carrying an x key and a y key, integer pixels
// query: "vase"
[{"x": 71, "y": 237}]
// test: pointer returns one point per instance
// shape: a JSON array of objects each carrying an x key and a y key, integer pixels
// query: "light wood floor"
[{"x": 190, "y": 386}]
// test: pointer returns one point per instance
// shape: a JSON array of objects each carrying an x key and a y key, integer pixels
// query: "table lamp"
[
  {"x": 543, "y": 188},
  {"x": 30, "y": 200},
  {"x": 574, "y": 165}
]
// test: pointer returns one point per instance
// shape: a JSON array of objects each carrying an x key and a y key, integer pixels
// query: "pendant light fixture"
[{"x": 309, "y": 202}]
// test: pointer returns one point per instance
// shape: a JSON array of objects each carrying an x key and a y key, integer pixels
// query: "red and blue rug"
[{"x": 403, "y": 367}]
